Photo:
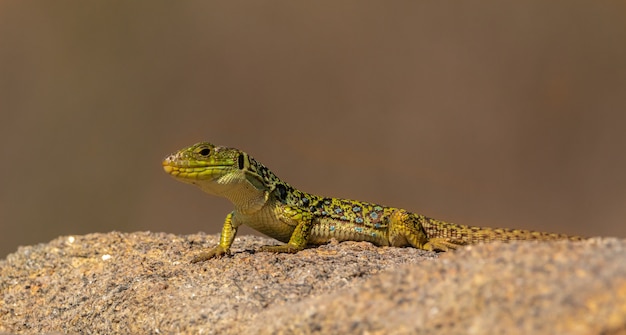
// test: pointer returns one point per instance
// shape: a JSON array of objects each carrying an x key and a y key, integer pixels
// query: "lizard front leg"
[
  {"x": 226, "y": 240},
  {"x": 300, "y": 236}
]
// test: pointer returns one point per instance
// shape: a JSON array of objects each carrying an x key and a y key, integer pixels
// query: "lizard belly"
[
  {"x": 267, "y": 222},
  {"x": 325, "y": 228}
]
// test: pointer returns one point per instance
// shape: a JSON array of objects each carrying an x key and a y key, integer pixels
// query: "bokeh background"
[{"x": 485, "y": 113}]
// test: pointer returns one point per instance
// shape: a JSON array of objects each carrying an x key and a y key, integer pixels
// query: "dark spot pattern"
[{"x": 282, "y": 192}]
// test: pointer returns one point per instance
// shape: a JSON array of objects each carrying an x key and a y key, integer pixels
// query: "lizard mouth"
[{"x": 192, "y": 172}]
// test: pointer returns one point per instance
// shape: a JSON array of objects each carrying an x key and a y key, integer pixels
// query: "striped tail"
[{"x": 464, "y": 235}]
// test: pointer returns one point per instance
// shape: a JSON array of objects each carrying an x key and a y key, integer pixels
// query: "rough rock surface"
[{"x": 143, "y": 283}]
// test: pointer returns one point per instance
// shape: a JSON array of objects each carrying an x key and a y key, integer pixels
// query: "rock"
[{"x": 143, "y": 283}]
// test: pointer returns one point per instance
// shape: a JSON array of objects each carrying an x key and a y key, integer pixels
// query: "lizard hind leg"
[{"x": 408, "y": 229}]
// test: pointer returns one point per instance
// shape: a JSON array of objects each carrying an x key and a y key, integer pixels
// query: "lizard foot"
[
  {"x": 441, "y": 244},
  {"x": 217, "y": 251},
  {"x": 287, "y": 248}
]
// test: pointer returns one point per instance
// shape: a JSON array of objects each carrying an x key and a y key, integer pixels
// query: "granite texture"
[{"x": 143, "y": 283}]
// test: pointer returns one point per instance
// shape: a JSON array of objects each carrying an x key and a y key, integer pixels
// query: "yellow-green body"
[{"x": 267, "y": 204}]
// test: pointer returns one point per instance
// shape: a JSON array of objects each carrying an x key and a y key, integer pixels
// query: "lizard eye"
[{"x": 205, "y": 152}]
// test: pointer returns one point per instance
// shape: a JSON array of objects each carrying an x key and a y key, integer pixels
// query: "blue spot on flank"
[
  {"x": 338, "y": 210},
  {"x": 374, "y": 215},
  {"x": 343, "y": 218},
  {"x": 356, "y": 209},
  {"x": 358, "y": 220},
  {"x": 331, "y": 228},
  {"x": 324, "y": 213},
  {"x": 377, "y": 225},
  {"x": 358, "y": 229}
]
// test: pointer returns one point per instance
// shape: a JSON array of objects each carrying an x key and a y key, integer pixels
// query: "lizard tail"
[{"x": 463, "y": 235}]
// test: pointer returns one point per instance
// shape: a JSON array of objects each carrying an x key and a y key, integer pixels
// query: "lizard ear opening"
[{"x": 241, "y": 161}]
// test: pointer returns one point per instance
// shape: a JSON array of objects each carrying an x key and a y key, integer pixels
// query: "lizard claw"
[
  {"x": 215, "y": 252},
  {"x": 441, "y": 244}
]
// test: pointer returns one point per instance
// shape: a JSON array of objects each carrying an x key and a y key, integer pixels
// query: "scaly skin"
[{"x": 274, "y": 208}]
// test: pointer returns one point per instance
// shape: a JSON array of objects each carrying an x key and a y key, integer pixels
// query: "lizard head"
[
  {"x": 221, "y": 171},
  {"x": 203, "y": 164}
]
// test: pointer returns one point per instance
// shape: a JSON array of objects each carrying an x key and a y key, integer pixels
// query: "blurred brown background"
[{"x": 491, "y": 113}]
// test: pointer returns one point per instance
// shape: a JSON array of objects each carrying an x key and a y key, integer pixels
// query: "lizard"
[{"x": 271, "y": 206}]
